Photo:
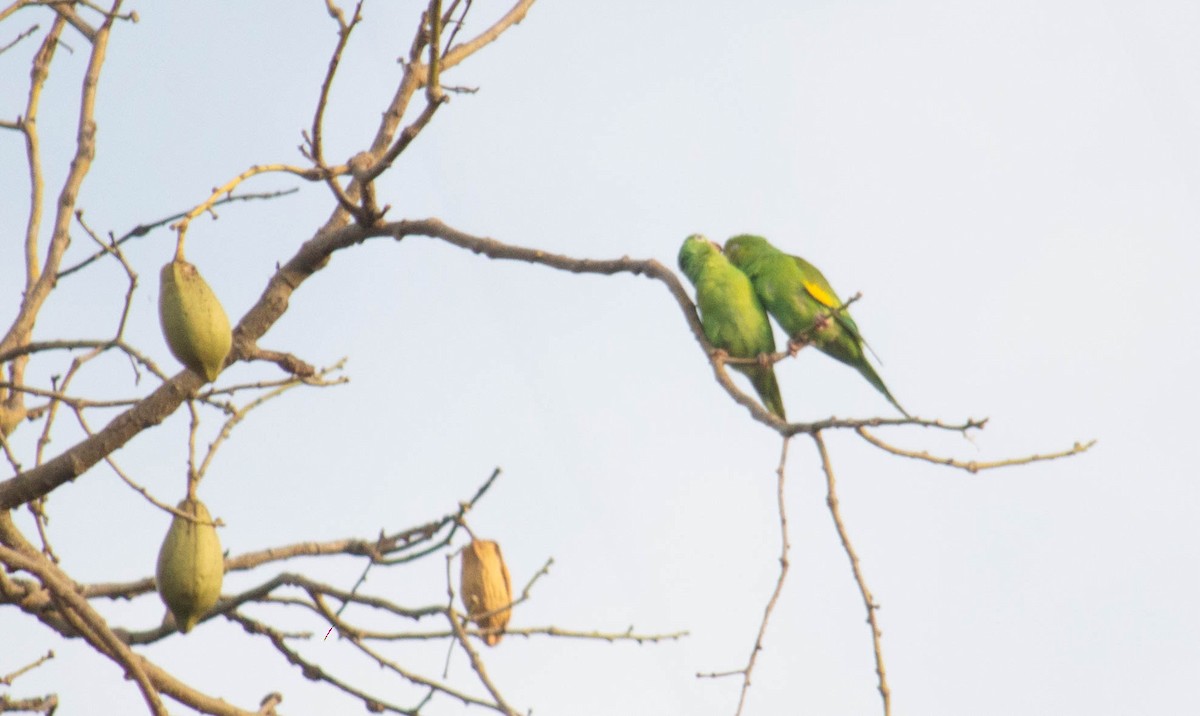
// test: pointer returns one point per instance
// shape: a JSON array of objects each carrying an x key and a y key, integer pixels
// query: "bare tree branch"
[
  {"x": 785, "y": 547},
  {"x": 41, "y": 281},
  {"x": 17, "y": 39},
  {"x": 43, "y": 704},
  {"x": 316, "y": 145},
  {"x": 143, "y": 229},
  {"x": 89, "y": 623},
  {"x": 9, "y": 678},
  {"x": 313, "y": 256},
  {"x": 973, "y": 466},
  {"x": 55, "y": 600},
  {"x": 312, "y": 671},
  {"x": 868, "y": 601}
]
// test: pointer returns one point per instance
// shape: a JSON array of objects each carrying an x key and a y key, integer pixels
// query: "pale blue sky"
[{"x": 1014, "y": 187}]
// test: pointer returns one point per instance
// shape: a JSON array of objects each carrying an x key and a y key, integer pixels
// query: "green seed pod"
[
  {"x": 190, "y": 566},
  {"x": 486, "y": 587},
  {"x": 193, "y": 321}
]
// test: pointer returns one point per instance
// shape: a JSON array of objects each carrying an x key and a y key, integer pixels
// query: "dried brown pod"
[
  {"x": 10, "y": 418},
  {"x": 486, "y": 588}
]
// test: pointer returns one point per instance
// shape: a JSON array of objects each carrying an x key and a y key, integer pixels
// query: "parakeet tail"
[
  {"x": 873, "y": 378},
  {"x": 767, "y": 388}
]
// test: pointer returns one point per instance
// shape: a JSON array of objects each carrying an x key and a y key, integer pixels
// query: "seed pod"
[
  {"x": 486, "y": 587},
  {"x": 190, "y": 566},
  {"x": 10, "y": 418},
  {"x": 193, "y": 321}
]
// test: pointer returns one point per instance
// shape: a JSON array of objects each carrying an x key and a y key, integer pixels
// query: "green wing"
[
  {"x": 732, "y": 315},
  {"x": 846, "y": 344},
  {"x": 796, "y": 293},
  {"x": 820, "y": 291}
]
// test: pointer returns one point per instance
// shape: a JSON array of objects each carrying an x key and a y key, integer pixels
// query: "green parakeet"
[
  {"x": 800, "y": 298},
  {"x": 732, "y": 316}
]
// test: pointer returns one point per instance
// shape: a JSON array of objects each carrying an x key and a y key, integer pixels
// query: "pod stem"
[
  {"x": 193, "y": 476},
  {"x": 179, "y": 247}
]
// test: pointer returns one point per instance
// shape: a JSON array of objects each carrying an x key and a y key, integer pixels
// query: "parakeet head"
[
  {"x": 695, "y": 251},
  {"x": 741, "y": 250}
]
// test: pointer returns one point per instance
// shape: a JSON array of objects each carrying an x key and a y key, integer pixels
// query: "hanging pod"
[
  {"x": 193, "y": 321},
  {"x": 486, "y": 587},
  {"x": 190, "y": 566}
]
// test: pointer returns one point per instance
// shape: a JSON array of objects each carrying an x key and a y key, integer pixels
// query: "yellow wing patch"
[{"x": 824, "y": 297}]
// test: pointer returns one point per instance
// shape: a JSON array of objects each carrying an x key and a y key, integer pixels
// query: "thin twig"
[
  {"x": 458, "y": 24},
  {"x": 137, "y": 487},
  {"x": 239, "y": 414},
  {"x": 193, "y": 475},
  {"x": 58, "y": 396},
  {"x": 41, "y": 346},
  {"x": 113, "y": 250},
  {"x": 143, "y": 229},
  {"x": 229, "y": 408},
  {"x": 311, "y": 670},
  {"x": 973, "y": 466},
  {"x": 427, "y": 532},
  {"x": 433, "y": 88},
  {"x": 316, "y": 145},
  {"x": 460, "y": 635},
  {"x": 868, "y": 601},
  {"x": 226, "y": 190},
  {"x": 514, "y": 16},
  {"x": 18, "y": 38},
  {"x": 785, "y": 546},
  {"x": 286, "y": 361},
  {"x": 417, "y": 678},
  {"x": 400, "y": 541},
  {"x": 585, "y": 634},
  {"x": 44, "y": 704},
  {"x": 12, "y": 405},
  {"x": 8, "y": 679}
]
